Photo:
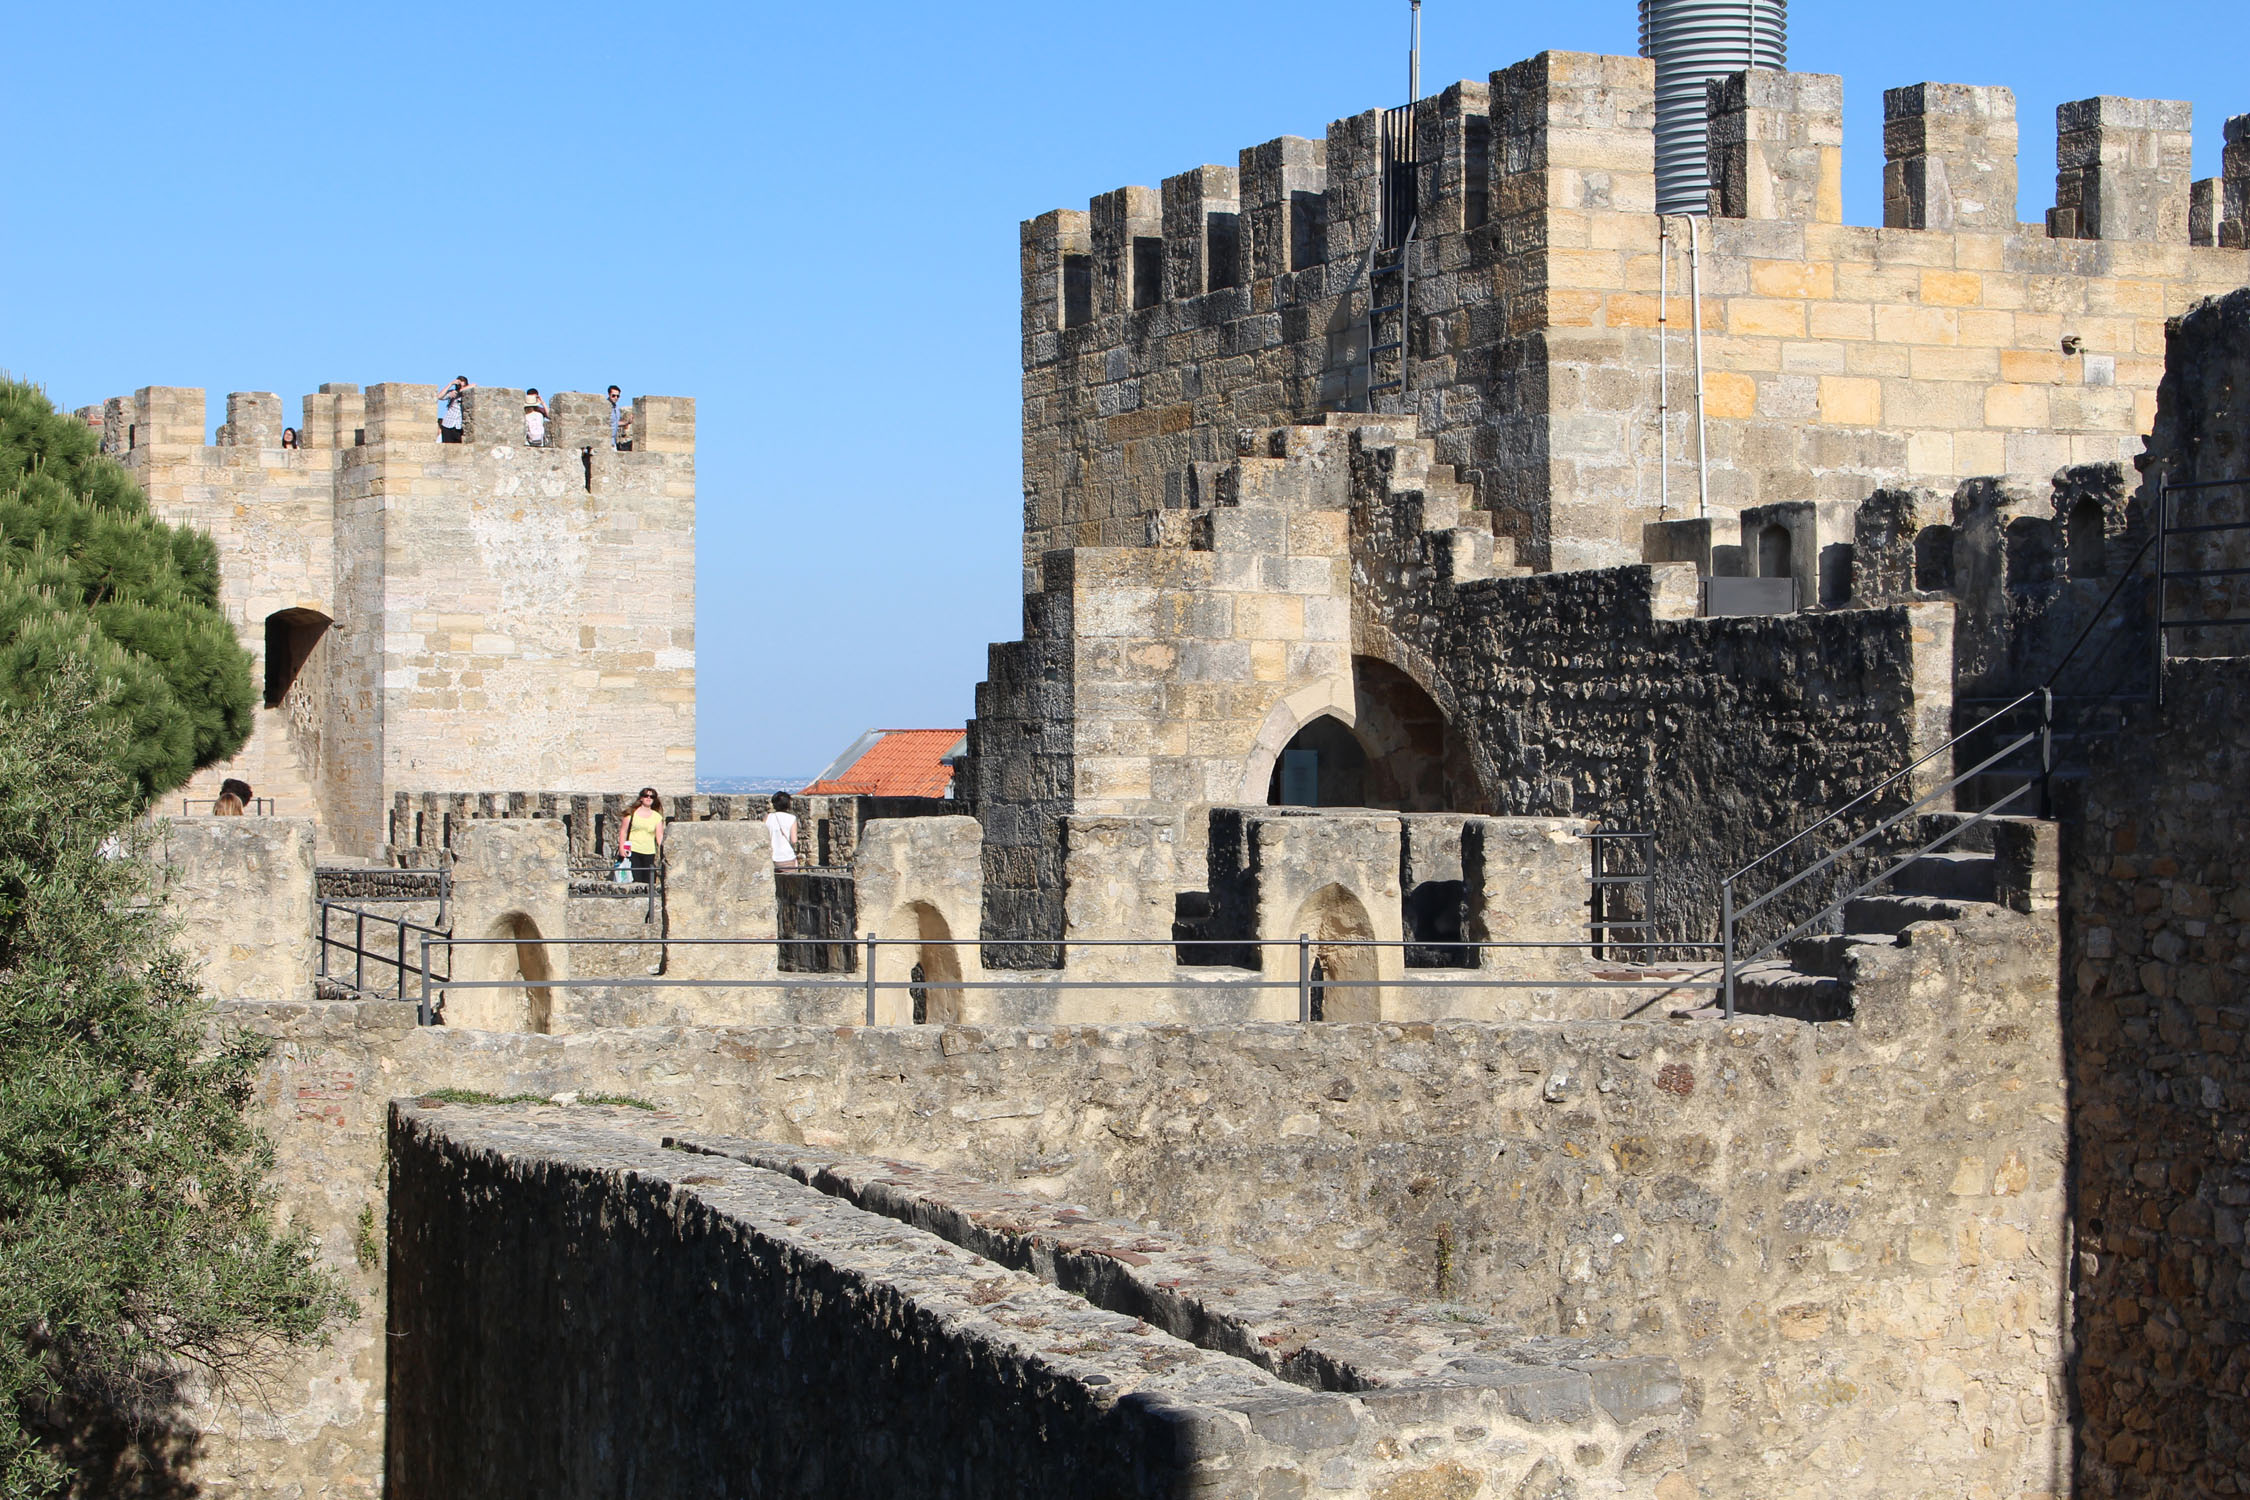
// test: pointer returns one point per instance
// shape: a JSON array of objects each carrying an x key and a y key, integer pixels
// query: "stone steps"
[{"x": 1952, "y": 875}]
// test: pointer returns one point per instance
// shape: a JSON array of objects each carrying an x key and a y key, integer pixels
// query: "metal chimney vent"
[{"x": 1694, "y": 42}]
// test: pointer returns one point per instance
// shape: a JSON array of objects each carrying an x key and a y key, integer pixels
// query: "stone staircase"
[
  {"x": 1810, "y": 980},
  {"x": 1431, "y": 504},
  {"x": 1320, "y": 465}
]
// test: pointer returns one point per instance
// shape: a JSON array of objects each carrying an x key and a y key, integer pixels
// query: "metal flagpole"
[{"x": 1414, "y": 57}]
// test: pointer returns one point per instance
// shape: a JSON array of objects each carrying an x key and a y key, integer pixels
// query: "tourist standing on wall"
[
  {"x": 643, "y": 833},
  {"x": 781, "y": 827},
  {"x": 616, "y": 416},
  {"x": 534, "y": 419},
  {"x": 449, "y": 410}
]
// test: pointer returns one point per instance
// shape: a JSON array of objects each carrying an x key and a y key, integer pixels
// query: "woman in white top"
[{"x": 781, "y": 826}]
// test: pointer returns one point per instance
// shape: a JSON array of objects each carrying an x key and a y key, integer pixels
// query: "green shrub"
[
  {"x": 138, "y": 1251},
  {"x": 87, "y": 575}
]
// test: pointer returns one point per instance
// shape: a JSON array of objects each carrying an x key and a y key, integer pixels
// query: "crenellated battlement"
[
  {"x": 425, "y": 613},
  {"x": 1292, "y": 204},
  {"x": 339, "y": 416},
  {"x": 1548, "y": 324}
]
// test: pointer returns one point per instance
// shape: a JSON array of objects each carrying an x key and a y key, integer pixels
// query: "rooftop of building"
[{"x": 895, "y": 763}]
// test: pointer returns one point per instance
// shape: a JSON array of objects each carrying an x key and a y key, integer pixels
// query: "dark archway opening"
[
  {"x": 291, "y": 635},
  {"x": 2086, "y": 541},
  {"x": 1415, "y": 761},
  {"x": 1433, "y": 926},
  {"x": 1773, "y": 552},
  {"x": 1323, "y": 765},
  {"x": 1933, "y": 559}
]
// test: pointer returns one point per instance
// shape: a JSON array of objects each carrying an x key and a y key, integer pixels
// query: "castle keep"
[
  {"x": 1223, "y": 544},
  {"x": 439, "y": 617}
]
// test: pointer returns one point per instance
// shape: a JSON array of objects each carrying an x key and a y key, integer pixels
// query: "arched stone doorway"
[
  {"x": 1323, "y": 765},
  {"x": 520, "y": 955},
  {"x": 1416, "y": 763},
  {"x": 936, "y": 962},
  {"x": 1774, "y": 560},
  {"x": 1347, "y": 988},
  {"x": 1395, "y": 751},
  {"x": 291, "y": 636}
]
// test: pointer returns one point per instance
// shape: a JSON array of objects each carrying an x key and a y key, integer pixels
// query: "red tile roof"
[{"x": 894, "y": 763}]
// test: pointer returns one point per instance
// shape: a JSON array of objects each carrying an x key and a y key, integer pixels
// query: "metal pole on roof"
[{"x": 1414, "y": 56}]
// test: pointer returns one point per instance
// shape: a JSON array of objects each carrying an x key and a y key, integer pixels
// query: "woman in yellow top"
[{"x": 643, "y": 833}]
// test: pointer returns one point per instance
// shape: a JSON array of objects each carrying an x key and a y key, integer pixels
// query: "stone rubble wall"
[
  {"x": 572, "y": 1306},
  {"x": 2157, "y": 961},
  {"x": 2156, "y": 967},
  {"x": 424, "y": 825},
  {"x": 241, "y": 892},
  {"x": 1849, "y": 1237}
]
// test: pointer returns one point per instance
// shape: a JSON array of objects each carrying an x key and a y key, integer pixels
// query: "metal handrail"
[
  {"x": 1731, "y": 916},
  {"x": 257, "y": 807},
  {"x": 434, "y": 988},
  {"x": 1887, "y": 824},
  {"x": 360, "y": 953},
  {"x": 1880, "y": 786}
]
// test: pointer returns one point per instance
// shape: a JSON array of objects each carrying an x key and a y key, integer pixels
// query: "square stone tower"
[{"x": 431, "y": 616}]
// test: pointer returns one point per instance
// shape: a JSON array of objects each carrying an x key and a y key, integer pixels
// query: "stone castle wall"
[
  {"x": 1334, "y": 572},
  {"x": 1951, "y": 342},
  {"x": 2156, "y": 976},
  {"x": 1834, "y": 1230},
  {"x": 480, "y": 614},
  {"x": 2157, "y": 942},
  {"x": 572, "y": 1306}
]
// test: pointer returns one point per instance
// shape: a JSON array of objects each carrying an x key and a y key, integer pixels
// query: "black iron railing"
[
  {"x": 199, "y": 807},
  {"x": 1831, "y": 877},
  {"x": 1698, "y": 976},
  {"x": 397, "y": 941},
  {"x": 2016, "y": 743},
  {"x": 1624, "y": 898}
]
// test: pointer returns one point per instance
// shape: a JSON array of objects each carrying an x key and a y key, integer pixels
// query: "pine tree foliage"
[
  {"x": 138, "y": 1250},
  {"x": 88, "y": 575}
]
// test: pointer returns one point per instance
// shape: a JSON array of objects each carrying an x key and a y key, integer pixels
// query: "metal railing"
[
  {"x": 1310, "y": 985},
  {"x": 1734, "y": 911},
  {"x": 200, "y": 807},
  {"x": 2032, "y": 795},
  {"x": 2166, "y": 531},
  {"x": 1623, "y": 861},
  {"x": 359, "y": 953}
]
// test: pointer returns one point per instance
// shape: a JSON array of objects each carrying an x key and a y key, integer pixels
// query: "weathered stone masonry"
[
  {"x": 1868, "y": 1216},
  {"x": 1216, "y": 555},
  {"x": 439, "y": 617}
]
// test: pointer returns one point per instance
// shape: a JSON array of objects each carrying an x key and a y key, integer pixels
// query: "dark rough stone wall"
[
  {"x": 2202, "y": 434},
  {"x": 2157, "y": 960},
  {"x": 579, "y": 1328},
  {"x": 1019, "y": 773},
  {"x": 1597, "y": 694},
  {"x": 2156, "y": 974}
]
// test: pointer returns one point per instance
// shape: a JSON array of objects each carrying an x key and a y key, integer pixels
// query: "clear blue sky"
[{"x": 803, "y": 216}]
